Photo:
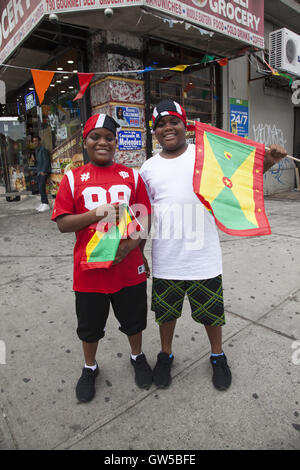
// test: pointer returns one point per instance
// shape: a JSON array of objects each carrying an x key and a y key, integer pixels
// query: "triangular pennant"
[
  {"x": 147, "y": 69},
  {"x": 179, "y": 68},
  {"x": 207, "y": 58},
  {"x": 223, "y": 62},
  {"x": 41, "y": 80},
  {"x": 84, "y": 81}
]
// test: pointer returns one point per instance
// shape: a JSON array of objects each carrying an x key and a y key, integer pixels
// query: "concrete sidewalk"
[{"x": 44, "y": 360}]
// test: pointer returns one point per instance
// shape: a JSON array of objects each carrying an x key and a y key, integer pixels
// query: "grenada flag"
[
  {"x": 228, "y": 180},
  {"x": 101, "y": 250}
]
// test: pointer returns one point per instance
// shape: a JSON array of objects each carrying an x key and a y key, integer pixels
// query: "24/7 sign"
[{"x": 239, "y": 117}]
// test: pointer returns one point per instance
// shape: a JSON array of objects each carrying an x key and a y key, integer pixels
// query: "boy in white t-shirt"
[{"x": 186, "y": 251}]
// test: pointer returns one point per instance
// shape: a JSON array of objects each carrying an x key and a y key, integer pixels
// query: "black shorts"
[
  {"x": 205, "y": 297},
  {"x": 129, "y": 306}
]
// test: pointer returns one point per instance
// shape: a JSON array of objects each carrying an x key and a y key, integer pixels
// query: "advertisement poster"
[
  {"x": 65, "y": 157},
  {"x": 130, "y": 140},
  {"x": 30, "y": 101},
  {"x": 239, "y": 117},
  {"x": 127, "y": 116}
]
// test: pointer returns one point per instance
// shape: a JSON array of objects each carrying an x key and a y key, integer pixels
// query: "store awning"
[
  {"x": 45, "y": 42},
  {"x": 145, "y": 18},
  {"x": 159, "y": 23}
]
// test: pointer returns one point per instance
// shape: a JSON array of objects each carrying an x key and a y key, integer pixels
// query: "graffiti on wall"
[
  {"x": 269, "y": 134},
  {"x": 277, "y": 171}
]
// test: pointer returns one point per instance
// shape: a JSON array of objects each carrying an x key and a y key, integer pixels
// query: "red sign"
[
  {"x": 17, "y": 19},
  {"x": 240, "y": 19},
  {"x": 75, "y": 5}
]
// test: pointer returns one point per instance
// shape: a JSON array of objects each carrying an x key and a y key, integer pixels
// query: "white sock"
[
  {"x": 91, "y": 367},
  {"x": 134, "y": 357}
]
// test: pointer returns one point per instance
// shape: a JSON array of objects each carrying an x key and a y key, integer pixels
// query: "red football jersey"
[{"x": 86, "y": 188}]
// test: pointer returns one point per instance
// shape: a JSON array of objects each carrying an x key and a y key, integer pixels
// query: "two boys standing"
[{"x": 90, "y": 194}]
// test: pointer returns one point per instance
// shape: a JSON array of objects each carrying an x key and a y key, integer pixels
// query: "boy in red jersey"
[{"x": 86, "y": 196}]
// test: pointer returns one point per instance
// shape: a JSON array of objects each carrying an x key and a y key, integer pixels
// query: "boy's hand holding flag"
[
  {"x": 273, "y": 155},
  {"x": 106, "y": 246}
]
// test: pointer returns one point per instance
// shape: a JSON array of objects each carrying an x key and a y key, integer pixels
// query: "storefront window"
[
  {"x": 13, "y": 166},
  {"x": 57, "y": 122},
  {"x": 197, "y": 92}
]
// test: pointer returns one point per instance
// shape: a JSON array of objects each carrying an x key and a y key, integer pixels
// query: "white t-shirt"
[{"x": 185, "y": 241}]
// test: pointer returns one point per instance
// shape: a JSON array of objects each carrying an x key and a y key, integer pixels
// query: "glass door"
[{"x": 13, "y": 154}]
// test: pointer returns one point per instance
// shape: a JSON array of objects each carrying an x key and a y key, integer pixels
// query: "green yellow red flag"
[
  {"x": 101, "y": 249},
  {"x": 228, "y": 180}
]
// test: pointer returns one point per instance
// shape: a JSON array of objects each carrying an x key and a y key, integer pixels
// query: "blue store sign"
[
  {"x": 130, "y": 140},
  {"x": 239, "y": 117}
]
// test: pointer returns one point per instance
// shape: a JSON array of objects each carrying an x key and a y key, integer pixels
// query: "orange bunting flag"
[
  {"x": 223, "y": 62},
  {"x": 41, "y": 80},
  {"x": 84, "y": 81}
]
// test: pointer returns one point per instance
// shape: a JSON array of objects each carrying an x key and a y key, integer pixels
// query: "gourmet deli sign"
[{"x": 240, "y": 19}]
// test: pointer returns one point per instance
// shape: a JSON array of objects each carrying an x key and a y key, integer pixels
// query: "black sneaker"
[
  {"x": 85, "y": 389},
  {"x": 143, "y": 372},
  {"x": 162, "y": 371},
  {"x": 221, "y": 372}
]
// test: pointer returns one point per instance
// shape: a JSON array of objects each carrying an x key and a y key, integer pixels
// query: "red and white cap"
[
  {"x": 99, "y": 121},
  {"x": 168, "y": 108}
]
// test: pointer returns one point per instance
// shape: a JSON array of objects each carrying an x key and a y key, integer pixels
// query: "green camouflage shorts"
[{"x": 205, "y": 297}]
